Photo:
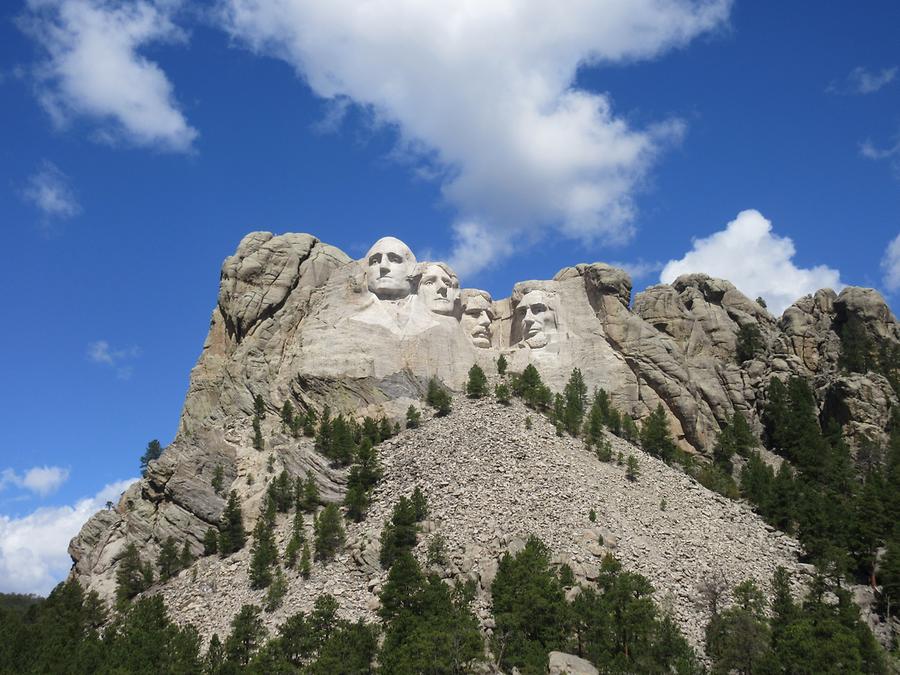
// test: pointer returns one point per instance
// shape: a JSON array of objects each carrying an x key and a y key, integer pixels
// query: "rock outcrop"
[{"x": 297, "y": 320}]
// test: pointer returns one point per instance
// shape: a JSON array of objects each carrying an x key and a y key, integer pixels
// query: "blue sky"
[{"x": 139, "y": 141}]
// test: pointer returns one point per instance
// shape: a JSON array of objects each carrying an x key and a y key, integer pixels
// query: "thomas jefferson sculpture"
[{"x": 439, "y": 288}]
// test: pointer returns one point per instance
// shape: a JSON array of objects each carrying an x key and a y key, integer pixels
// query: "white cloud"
[
  {"x": 42, "y": 480},
  {"x": 863, "y": 81},
  {"x": 49, "y": 190},
  {"x": 756, "y": 260},
  {"x": 482, "y": 97},
  {"x": 33, "y": 549},
  {"x": 639, "y": 269},
  {"x": 101, "y": 352},
  {"x": 93, "y": 68},
  {"x": 890, "y": 265}
]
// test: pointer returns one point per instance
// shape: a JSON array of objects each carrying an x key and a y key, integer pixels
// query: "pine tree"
[
  {"x": 167, "y": 561},
  {"x": 217, "y": 480},
  {"x": 263, "y": 553},
  {"x": 214, "y": 661},
  {"x": 323, "y": 435},
  {"x": 656, "y": 438},
  {"x": 632, "y": 468},
  {"x": 287, "y": 416},
  {"x": 186, "y": 559},
  {"x": 501, "y": 365},
  {"x": 259, "y": 407},
  {"x": 211, "y": 541},
  {"x": 153, "y": 452},
  {"x": 295, "y": 543},
  {"x": 247, "y": 635},
  {"x": 279, "y": 492},
  {"x": 420, "y": 504},
  {"x": 629, "y": 429},
  {"x": 356, "y": 500},
  {"x": 277, "y": 590},
  {"x": 413, "y": 417},
  {"x": 385, "y": 430},
  {"x": 749, "y": 342},
  {"x": 438, "y": 398},
  {"x": 258, "y": 441},
  {"x": 501, "y": 392},
  {"x": 131, "y": 576},
  {"x": 399, "y": 534},
  {"x": 305, "y": 561},
  {"x": 231, "y": 529},
  {"x": 596, "y": 419},
  {"x": 309, "y": 423},
  {"x": 310, "y": 493},
  {"x": 476, "y": 386},
  {"x": 575, "y": 395},
  {"x": 329, "y": 533}
]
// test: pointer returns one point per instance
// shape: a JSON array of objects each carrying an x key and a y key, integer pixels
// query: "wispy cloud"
[
  {"x": 890, "y": 265},
  {"x": 100, "y": 352},
  {"x": 93, "y": 68},
  {"x": 639, "y": 269},
  {"x": 863, "y": 81},
  {"x": 49, "y": 190},
  {"x": 483, "y": 98},
  {"x": 756, "y": 260},
  {"x": 888, "y": 153},
  {"x": 41, "y": 480},
  {"x": 34, "y": 549}
]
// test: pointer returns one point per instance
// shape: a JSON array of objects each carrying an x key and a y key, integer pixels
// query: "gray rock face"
[
  {"x": 569, "y": 664},
  {"x": 296, "y": 320}
]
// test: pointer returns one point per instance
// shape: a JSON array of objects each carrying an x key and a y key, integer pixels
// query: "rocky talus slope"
[{"x": 490, "y": 483}]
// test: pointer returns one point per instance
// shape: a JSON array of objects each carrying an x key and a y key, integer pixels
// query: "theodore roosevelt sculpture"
[{"x": 477, "y": 316}]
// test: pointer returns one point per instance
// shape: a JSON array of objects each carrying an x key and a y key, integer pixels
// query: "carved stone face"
[
  {"x": 538, "y": 319},
  {"x": 439, "y": 289},
  {"x": 476, "y": 321},
  {"x": 389, "y": 266}
]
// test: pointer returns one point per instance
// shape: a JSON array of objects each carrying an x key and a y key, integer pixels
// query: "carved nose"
[
  {"x": 383, "y": 270},
  {"x": 442, "y": 291}
]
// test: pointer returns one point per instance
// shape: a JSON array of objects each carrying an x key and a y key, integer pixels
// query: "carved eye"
[
  {"x": 375, "y": 258},
  {"x": 394, "y": 258},
  {"x": 536, "y": 309}
]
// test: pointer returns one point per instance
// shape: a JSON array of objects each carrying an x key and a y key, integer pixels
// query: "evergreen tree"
[
  {"x": 305, "y": 561},
  {"x": 329, "y": 533},
  {"x": 596, "y": 419},
  {"x": 287, "y": 416},
  {"x": 739, "y": 638},
  {"x": 399, "y": 534},
  {"x": 735, "y": 437},
  {"x": 429, "y": 627},
  {"x": 438, "y": 398},
  {"x": 856, "y": 347},
  {"x": 211, "y": 541},
  {"x": 214, "y": 661},
  {"x": 656, "y": 438},
  {"x": 413, "y": 417},
  {"x": 131, "y": 576},
  {"x": 324, "y": 441},
  {"x": 298, "y": 537},
  {"x": 476, "y": 386},
  {"x": 629, "y": 428},
  {"x": 501, "y": 365},
  {"x": 356, "y": 500},
  {"x": 632, "y": 468},
  {"x": 263, "y": 553},
  {"x": 259, "y": 407},
  {"x": 530, "y": 610},
  {"x": 575, "y": 395},
  {"x": 167, "y": 561},
  {"x": 247, "y": 635},
  {"x": 152, "y": 453},
  {"x": 186, "y": 559},
  {"x": 749, "y": 342},
  {"x": 531, "y": 389},
  {"x": 258, "y": 442},
  {"x": 309, "y": 423},
  {"x": 501, "y": 392},
  {"x": 217, "y": 479},
  {"x": 231, "y": 529},
  {"x": 420, "y": 504},
  {"x": 310, "y": 493},
  {"x": 276, "y": 592},
  {"x": 385, "y": 430}
]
